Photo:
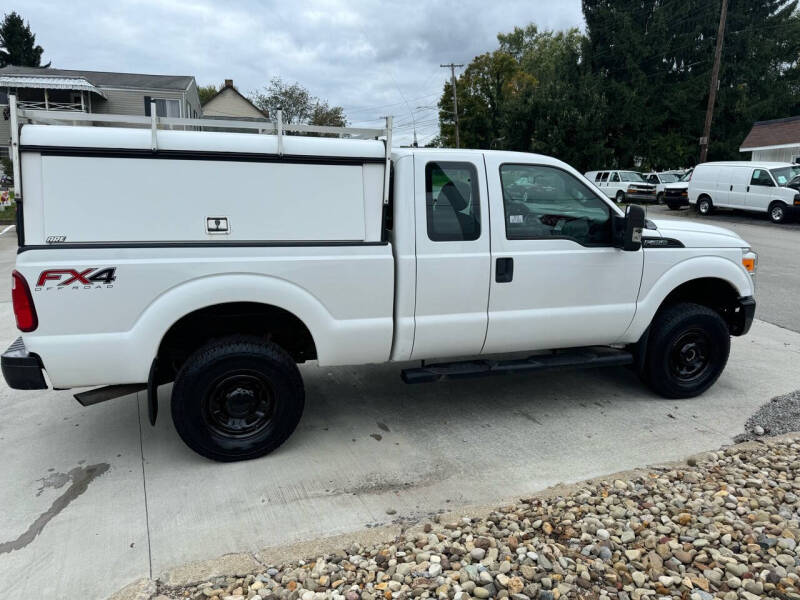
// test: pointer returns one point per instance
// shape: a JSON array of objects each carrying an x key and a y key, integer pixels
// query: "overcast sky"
[{"x": 362, "y": 55}]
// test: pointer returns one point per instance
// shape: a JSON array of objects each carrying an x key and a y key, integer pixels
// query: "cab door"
[
  {"x": 557, "y": 281},
  {"x": 760, "y": 190},
  {"x": 453, "y": 254}
]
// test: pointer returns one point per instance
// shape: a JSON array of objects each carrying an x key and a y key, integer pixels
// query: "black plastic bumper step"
[{"x": 580, "y": 358}]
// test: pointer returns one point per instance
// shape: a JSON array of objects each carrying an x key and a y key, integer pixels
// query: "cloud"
[{"x": 361, "y": 54}]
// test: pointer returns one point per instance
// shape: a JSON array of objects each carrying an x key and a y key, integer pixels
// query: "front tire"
[
  {"x": 777, "y": 212},
  {"x": 237, "y": 398},
  {"x": 705, "y": 206},
  {"x": 687, "y": 350},
  {"x": 620, "y": 197},
  {"x": 660, "y": 198}
]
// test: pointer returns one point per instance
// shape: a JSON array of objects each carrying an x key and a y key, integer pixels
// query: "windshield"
[
  {"x": 630, "y": 176},
  {"x": 687, "y": 176},
  {"x": 668, "y": 177},
  {"x": 785, "y": 174}
]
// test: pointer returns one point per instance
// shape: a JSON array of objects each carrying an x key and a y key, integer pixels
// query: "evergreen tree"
[{"x": 18, "y": 44}]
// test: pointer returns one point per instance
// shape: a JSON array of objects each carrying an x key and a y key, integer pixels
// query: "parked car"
[
  {"x": 660, "y": 180},
  {"x": 676, "y": 195},
  {"x": 623, "y": 186},
  {"x": 746, "y": 185},
  {"x": 259, "y": 252}
]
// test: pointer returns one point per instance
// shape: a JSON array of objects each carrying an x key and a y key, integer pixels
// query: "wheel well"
[
  {"x": 716, "y": 294},
  {"x": 701, "y": 196},
  {"x": 196, "y": 328}
]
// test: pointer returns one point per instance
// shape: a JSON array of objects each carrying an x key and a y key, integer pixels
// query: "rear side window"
[
  {"x": 452, "y": 202},
  {"x": 598, "y": 176},
  {"x": 604, "y": 177}
]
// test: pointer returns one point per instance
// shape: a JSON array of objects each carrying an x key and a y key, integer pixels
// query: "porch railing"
[{"x": 61, "y": 106}]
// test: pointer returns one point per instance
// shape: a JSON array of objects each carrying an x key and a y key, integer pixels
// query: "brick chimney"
[{"x": 229, "y": 83}]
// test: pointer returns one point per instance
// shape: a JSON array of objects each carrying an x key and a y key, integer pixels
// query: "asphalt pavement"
[{"x": 95, "y": 497}]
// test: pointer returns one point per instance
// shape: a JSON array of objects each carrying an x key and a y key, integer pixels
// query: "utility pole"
[
  {"x": 452, "y": 67},
  {"x": 712, "y": 90}
]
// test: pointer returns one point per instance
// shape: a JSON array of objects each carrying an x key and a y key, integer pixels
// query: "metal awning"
[{"x": 49, "y": 83}]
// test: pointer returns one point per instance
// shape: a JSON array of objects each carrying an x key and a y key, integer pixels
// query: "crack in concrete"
[{"x": 80, "y": 477}]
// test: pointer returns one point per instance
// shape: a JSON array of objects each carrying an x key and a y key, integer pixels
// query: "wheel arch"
[
  {"x": 689, "y": 281},
  {"x": 217, "y": 305}
]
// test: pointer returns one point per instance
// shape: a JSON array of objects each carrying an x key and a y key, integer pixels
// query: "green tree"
[
  {"x": 206, "y": 92},
  {"x": 297, "y": 105},
  {"x": 18, "y": 44}
]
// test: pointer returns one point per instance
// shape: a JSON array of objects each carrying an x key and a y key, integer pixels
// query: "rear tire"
[
  {"x": 777, "y": 212},
  {"x": 687, "y": 350},
  {"x": 704, "y": 205},
  {"x": 620, "y": 197},
  {"x": 237, "y": 398}
]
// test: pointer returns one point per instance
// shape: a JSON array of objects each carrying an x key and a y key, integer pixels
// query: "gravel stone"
[{"x": 726, "y": 528}]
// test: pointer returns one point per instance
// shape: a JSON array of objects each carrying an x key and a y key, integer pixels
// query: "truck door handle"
[
  {"x": 748, "y": 188},
  {"x": 731, "y": 188},
  {"x": 504, "y": 270}
]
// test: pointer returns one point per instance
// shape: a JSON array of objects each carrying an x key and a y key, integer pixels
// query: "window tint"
[
  {"x": 653, "y": 179},
  {"x": 761, "y": 177},
  {"x": 615, "y": 176},
  {"x": 451, "y": 200},
  {"x": 545, "y": 202},
  {"x": 598, "y": 176}
]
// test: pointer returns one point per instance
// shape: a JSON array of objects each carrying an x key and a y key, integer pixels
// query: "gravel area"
[
  {"x": 779, "y": 415},
  {"x": 723, "y": 526}
]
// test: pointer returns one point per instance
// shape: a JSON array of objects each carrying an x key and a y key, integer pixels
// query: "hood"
[
  {"x": 677, "y": 185},
  {"x": 693, "y": 234}
]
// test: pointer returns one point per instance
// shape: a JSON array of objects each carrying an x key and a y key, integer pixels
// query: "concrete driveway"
[{"x": 94, "y": 498}]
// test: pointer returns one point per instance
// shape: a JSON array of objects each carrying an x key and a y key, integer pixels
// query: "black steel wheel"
[
  {"x": 687, "y": 350},
  {"x": 237, "y": 398}
]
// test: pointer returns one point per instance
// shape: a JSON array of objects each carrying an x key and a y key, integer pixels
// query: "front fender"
[{"x": 658, "y": 283}]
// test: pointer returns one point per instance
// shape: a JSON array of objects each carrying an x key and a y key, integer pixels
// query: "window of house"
[
  {"x": 165, "y": 107},
  {"x": 3, "y": 95},
  {"x": 544, "y": 202},
  {"x": 452, "y": 202}
]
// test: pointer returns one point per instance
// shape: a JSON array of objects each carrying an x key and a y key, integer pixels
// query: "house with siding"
[
  {"x": 777, "y": 140},
  {"x": 96, "y": 92},
  {"x": 229, "y": 102}
]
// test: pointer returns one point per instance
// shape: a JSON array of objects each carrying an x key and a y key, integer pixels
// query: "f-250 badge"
[{"x": 92, "y": 278}]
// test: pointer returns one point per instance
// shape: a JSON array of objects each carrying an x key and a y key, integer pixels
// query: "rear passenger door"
[{"x": 453, "y": 260}]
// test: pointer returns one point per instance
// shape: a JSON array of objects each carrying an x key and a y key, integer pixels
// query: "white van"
[
  {"x": 745, "y": 185},
  {"x": 623, "y": 186}
]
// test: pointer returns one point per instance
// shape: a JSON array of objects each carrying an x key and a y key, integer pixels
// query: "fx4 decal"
[{"x": 91, "y": 277}]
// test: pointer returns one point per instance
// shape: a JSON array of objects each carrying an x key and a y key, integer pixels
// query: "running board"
[
  {"x": 98, "y": 395},
  {"x": 580, "y": 358}
]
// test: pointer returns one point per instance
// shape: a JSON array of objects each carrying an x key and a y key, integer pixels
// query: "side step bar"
[
  {"x": 580, "y": 358},
  {"x": 98, "y": 395}
]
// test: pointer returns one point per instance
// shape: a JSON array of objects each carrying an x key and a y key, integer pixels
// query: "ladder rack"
[{"x": 20, "y": 115}]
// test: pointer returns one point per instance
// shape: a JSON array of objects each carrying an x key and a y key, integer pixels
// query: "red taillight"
[{"x": 24, "y": 311}]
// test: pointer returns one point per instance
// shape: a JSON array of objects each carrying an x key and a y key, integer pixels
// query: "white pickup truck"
[{"x": 219, "y": 260}]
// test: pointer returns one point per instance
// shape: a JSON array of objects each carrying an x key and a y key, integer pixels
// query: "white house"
[{"x": 777, "y": 140}]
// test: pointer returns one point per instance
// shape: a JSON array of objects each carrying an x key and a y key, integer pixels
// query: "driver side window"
[{"x": 544, "y": 202}]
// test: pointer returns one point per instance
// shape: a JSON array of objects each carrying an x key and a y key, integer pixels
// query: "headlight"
[{"x": 749, "y": 260}]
